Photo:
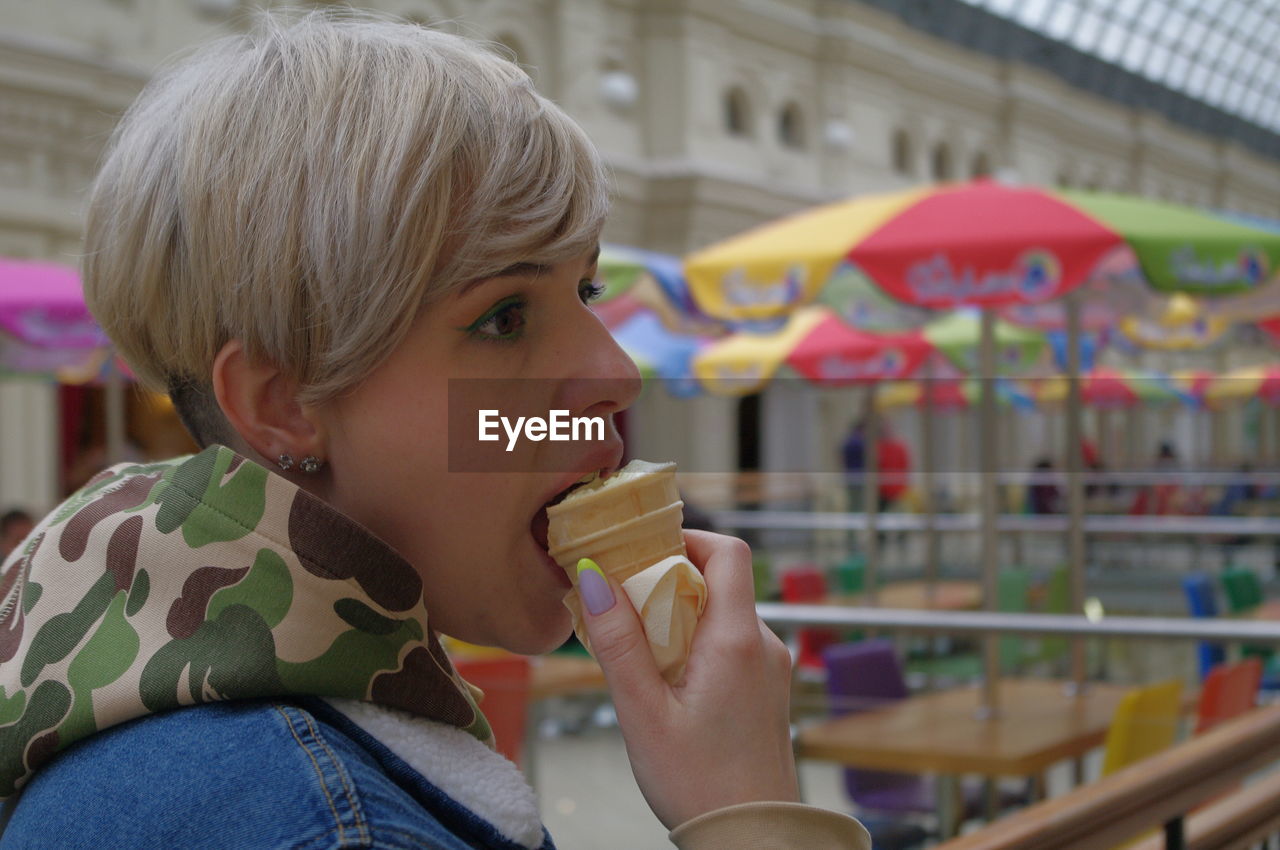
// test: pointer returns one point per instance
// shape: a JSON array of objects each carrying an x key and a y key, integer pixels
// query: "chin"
[{"x": 541, "y": 638}]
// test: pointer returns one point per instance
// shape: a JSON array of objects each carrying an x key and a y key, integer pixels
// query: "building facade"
[{"x": 714, "y": 115}]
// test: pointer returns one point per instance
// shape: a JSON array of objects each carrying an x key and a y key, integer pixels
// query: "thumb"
[{"x": 616, "y": 633}]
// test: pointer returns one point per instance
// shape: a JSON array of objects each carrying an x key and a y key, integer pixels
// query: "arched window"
[
  {"x": 903, "y": 154},
  {"x": 940, "y": 162},
  {"x": 981, "y": 166},
  {"x": 791, "y": 127},
  {"x": 737, "y": 112}
]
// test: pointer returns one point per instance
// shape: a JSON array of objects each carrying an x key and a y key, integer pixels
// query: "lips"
[{"x": 539, "y": 525}]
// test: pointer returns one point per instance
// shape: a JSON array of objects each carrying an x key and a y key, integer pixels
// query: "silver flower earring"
[
  {"x": 285, "y": 461},
  {"x": 311, "y": 464}
]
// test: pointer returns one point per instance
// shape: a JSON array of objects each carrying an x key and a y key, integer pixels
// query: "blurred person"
[
  {"x": 1044, "y": 496},
  {"x": 302, "y": 233},
  {"x": 893, "y": 463},
  {"x": 1165, "y": 496},
  {"x": 15, "y": 525}
]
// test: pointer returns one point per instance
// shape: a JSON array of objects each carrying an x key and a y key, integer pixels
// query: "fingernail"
[{"x": 594, "y": 588}]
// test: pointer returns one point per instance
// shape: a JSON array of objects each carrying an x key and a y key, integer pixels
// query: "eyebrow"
[{"x": 525, "y": 270}]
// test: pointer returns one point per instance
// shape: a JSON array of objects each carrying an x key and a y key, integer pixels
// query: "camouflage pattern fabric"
[{"x": 205, "y": 578}]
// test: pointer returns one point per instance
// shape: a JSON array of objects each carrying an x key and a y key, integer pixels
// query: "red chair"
[
  {"x": 505, "y": 680},
  {"x": 808, "y": 584},
  {"x": 1229, "y": 691}
]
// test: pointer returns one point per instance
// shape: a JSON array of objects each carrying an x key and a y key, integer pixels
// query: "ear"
[{"x": 260, "y": 402}]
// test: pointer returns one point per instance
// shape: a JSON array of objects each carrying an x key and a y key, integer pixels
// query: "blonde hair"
[{"x": 307, "y": 187}]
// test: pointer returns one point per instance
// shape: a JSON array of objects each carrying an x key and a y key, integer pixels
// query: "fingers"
[
  {"x": 726, "y": 565},
  {"x": 617, "y": 639}
]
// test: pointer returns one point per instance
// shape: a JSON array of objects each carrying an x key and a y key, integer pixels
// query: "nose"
[{"x": 603, "y": 378}]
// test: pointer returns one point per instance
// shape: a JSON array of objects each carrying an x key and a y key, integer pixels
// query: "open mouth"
[{"x": 539, "y": 524}]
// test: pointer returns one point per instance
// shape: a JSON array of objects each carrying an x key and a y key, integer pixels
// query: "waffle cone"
[{"x": 624, "y": 527}]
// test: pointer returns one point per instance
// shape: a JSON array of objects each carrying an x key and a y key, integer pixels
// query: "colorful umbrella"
[
  {"x": 660, "y": 353},
  {"x": 957, "y": 336},
  {"x": 1182, "y": 325},
  {"x": 1108, "y": 388},
  {"x": 1193, "y": 384},
  {"x": 980, "y": 243},
  {"x": 1243, "y": 384},
  {"x": 817, "y": 345},
  {"x": 1271, "y": 327},
  {"x": 45, "y": 328},
  {"x": 621, "y": 267},
  {"x": 950, "y": 394}
]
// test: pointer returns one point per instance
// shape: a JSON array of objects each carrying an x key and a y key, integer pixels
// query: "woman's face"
[{"x": 405, "y": 458}]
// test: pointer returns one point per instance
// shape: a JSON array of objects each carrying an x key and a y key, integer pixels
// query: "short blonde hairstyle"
[{"x": 307, "y": 187}]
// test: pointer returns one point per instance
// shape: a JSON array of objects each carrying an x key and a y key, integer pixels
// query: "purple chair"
[{"x": 863, "y": 676}]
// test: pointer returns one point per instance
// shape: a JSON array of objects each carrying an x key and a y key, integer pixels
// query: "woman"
[{"x": 321, "y": 239}]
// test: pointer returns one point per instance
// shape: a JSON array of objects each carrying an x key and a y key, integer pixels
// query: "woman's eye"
[
  {"x": 504, "y": 321},
  {"x": 589, "y": 290}
]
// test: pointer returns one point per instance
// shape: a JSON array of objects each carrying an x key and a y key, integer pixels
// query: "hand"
[{"x": 721, "y": 735}]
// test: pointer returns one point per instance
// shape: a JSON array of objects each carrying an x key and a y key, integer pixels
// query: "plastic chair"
[
  {"x": 850, "y": 575},
  {"x": 806, "y": 583},
  {"x": 762, "y": 579},
  {"x": 1229, "y": 691},
  {"x": 1012, "y": 589},
  {"x": 1201, "y": 602},
  {"x": 1145, "y": 722},
  {"x": 1057, "y": 600},
  {"x": 1244, "y": 593},
  {"x": 505, "y": 681},
  {"x": 1242, "y": 587},
  {"x": 864, "y": 676}
]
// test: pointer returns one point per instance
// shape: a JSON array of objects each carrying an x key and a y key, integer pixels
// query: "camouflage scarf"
[{"x": 199, "y": 579}]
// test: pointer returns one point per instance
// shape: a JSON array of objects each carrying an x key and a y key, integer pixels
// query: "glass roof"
[
  {"x": 1213, "y": 65},
  {"x": 1220, "y": 52}
]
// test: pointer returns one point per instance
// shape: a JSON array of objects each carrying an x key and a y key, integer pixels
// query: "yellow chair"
[{"x": 1145, "y": 722}]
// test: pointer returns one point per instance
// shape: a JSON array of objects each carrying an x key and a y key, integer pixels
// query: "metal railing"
[{"x": 790, "y": 616}]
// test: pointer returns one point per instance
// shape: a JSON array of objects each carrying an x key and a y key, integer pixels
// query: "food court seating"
[
  {"x": 862, "y": 676},
  {"x": 1229, "y": 691},
  {"x": 807, "y": 583},
  {"x": 1244, "y": 593},
  {"x": 1201, "y": 601},
  {"x": 1145, "y": 722}
]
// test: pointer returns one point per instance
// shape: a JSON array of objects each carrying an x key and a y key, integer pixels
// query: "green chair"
[
  {"x": 1013, "y": 586},
  {"x": 762, "y": 578},
  {"x": 1057, "y": 600},
  {"x": 850, "y": 575},
  {"x": 1242, "y": 587},
  {"x": 1244, "y": 593}
]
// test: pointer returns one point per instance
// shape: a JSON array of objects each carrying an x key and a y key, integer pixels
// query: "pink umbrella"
[{"x": 45, "y": 327}]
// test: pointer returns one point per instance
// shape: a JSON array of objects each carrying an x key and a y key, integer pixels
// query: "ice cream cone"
[
  {"x": 630, "y": 526},
  {"x": 624, "y": 524}
]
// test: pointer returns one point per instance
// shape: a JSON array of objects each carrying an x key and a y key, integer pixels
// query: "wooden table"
[
  {"x": 564, "y": 675},
  {"x": 1039, "y": 724},
  {"x": 946, "y": 596}
]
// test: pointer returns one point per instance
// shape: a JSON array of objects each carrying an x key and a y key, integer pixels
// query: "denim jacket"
[{"x": 275, "y": 774}]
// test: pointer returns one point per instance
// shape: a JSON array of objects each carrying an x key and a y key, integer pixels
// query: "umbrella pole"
[
  {"x": 114, "y": 396},
  {"x": 1075, "y": 486},
  {"x": 927, "y": 461},
  {"x": 871, "y": 492},
  {"x": 989, "y": 543}
]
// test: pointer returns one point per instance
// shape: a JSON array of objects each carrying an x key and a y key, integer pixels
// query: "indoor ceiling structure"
[{"x": 1211, "y": 65}]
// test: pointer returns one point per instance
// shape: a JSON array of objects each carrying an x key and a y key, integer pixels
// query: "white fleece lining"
[{"x": 476, "y": 777}]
